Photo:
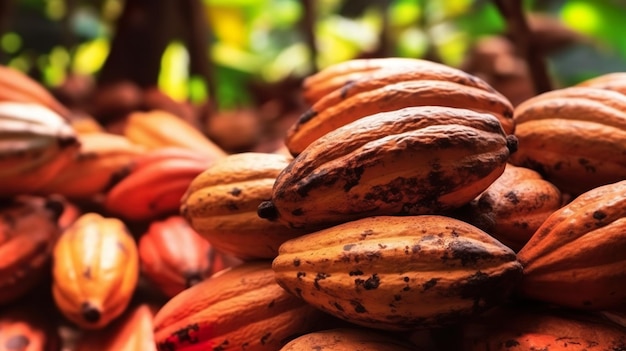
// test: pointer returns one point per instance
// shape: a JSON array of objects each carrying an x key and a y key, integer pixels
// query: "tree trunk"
[{"x": 143, "y": 31}]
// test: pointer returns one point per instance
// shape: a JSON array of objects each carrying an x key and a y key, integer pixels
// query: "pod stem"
[
  {"x": 90, "y": 313},
  {"x": 267, "y": 210}
]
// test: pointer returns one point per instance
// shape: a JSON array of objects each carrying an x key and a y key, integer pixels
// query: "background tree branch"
[{"x": 517, "y": 26}]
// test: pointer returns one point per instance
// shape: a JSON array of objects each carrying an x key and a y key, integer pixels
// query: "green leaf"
[
  {"x": 599, "y": 20},
  {"x": 481, "y": 20}
]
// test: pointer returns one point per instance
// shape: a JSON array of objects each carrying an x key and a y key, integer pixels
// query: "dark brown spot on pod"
[
  {"x": 265, "y": 338},
  {"x": 314, "y": 180},
  {"x": 599, "y": 215},
  {"x": 358, "y": 307},
  {"x": 587, "y": 165},
  {"x": 235, "y": 191},
  {"x": 223, "y": 346},
  {"x": 87, "y": 272},
  {"x": 346, "y": 87},
  {"x": 185, "y": 334},
  {"x": 306, "y": 116},
  {"x": 352, "y": 177},
  {"x": 267, "y": 210},
  {"x": 430, "y": 283},
  {"x": 365, "y": 234},
  {"x": 469, "y": 253},
  {"x": 372, "y": 282},
  {"x": 318, "y": 277},
  {"x": 512, "y": 197}
]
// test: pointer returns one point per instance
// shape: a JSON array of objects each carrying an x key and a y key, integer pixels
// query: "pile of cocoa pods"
[{"x": 411, "y": 206}]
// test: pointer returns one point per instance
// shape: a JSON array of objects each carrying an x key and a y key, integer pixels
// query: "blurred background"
[{"x": 107, "y": 57}]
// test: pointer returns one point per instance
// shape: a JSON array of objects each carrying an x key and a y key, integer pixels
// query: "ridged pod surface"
[
  {"x": 95, "y": 270},
  {"x": 574, "y": 137},
  {"x": 174, "y": 256},
  {"x": 514, "y": 206},
  {"x": 347, "y": 339},
  {"x": 389, "y": 92},
  {"x": 576, "y": 257},
  {"x": 615, "y": 81},
  {"x": 155, "y": 183},
  {"x": 35, "y": 144},
  {"x": 28, "y": 232},
  {"x": 221, "y": 204},
  {"x": 417, "y": 160},
  {"x": 131, "y": 332},
  {"x": 399, "y": 273},
  {"x": 241, "y": 308},
  {"x": 15, "y": 86},
  {"x": 333, "y": 77},
  {"x": 516, "y": 328},
  {"x": 102, "y": 157},
  {"x": 157, "y": 129}
]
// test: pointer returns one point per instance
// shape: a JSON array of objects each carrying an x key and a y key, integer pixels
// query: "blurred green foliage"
[{"x": 262, "y": 39}]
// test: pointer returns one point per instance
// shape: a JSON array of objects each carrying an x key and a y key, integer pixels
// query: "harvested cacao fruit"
[
  {"x": 175, "y": 257},
  {"x": 393, "y": 89},
  {"x": 15, "y": 86},
  {"x": 576, "y": 257},
  {"x": 513, "y": 328},
  {"x": 239, "y": 308},
  {"x": 157, "y": 129},
  {"x": 574, "y": 137},
  {"x": 131, "y": 332},
  {"x": 35, "y": 144},
  {"x": 514, "y": 206},
  {"x": 102, "y": 158},
  {"x": 615, "y": 81},
  {"x": 221, "y": 204},
  {"x": 155, "y": 184},
  {"x": 347, "y": 339},
  {"x": 333, "y": 77},
  {"x": 28, "y": 232},
  {"x": 399, "y": 273},
  {"x": 417, "y": 160},
  {"x": 95, "y": 270}
]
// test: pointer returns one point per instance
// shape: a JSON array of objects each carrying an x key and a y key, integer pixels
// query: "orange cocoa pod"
[
  {"x": 15, "y": 86},
  {"x": 175, "y": 257},
  {"x": 131, "y": 332},
  {"x": 155, "y": 184},
  {"x": 28, "y": 231},
  {"x": 95, "y": 270},
  {"x": 576, "y": 257}
]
